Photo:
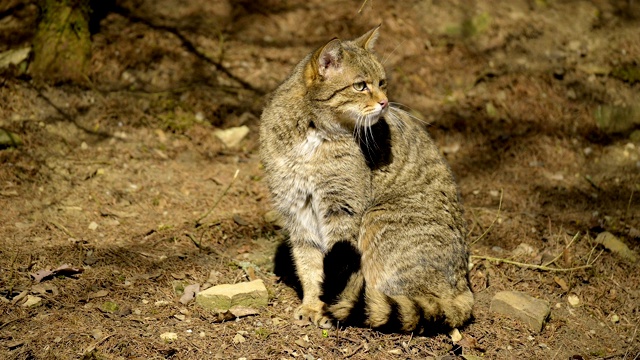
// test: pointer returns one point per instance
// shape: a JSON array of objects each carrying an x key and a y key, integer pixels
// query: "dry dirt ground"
[{"x": 113, "y": 176}]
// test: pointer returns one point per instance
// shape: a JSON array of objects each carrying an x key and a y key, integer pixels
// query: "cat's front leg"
[{"x": 308, "y": 259}]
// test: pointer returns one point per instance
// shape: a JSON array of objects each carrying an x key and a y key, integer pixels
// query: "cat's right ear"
[{"x": 325, "y": 61}]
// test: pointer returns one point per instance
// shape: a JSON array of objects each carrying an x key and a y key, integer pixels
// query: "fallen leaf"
[
  {"x": 469, "y": 342},
  {"x": 178, "y": 276},
  {"x": 63, "y": 270},
  {"x": 32, "y": 301},
  {"x": 244, "y": 249},
  {"x": 19, "y": 297},
  {"x": 14, "y": 344},
  {"x": 41, "y": 275},
  {"x": 190, "y": 292},
  {"x": 300, "y": 342},
  {"x": 561, "y": 283},
  {"x": 240, "y": 220},
  {"x": 109, "y": 307},
  {"x": 98, "y": 294},
  {"x": 45, "y": 289}
]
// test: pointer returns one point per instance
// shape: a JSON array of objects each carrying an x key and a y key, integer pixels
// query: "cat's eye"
[
  {"x": 382, "y": 83},
  {"x": 360, "y": 86}
]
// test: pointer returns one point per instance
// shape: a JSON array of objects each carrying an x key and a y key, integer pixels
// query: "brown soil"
[{"x": 113, "y": 176}]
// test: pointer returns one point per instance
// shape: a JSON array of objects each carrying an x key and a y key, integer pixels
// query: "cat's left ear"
[
  {"x": 324, "y": 62},
  {"x": 368, "y": 40}
]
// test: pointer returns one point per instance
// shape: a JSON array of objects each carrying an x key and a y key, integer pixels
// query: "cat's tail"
[{"x": 351, "y": 302}]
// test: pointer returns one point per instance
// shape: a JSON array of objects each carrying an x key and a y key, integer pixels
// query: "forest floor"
[{"x": 535, "y": 105}]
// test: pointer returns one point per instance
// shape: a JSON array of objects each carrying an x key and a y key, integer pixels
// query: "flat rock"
[
  {"x": 613, "y": 244},
  {"x": 231, "y": 137},
  {"x": 14, "y": 57},
  {"x": 523, "y": 307},
  {"x": 219, "y": 298}
]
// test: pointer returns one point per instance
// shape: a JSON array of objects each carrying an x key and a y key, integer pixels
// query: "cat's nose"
[{"x": 384, "y": 103}]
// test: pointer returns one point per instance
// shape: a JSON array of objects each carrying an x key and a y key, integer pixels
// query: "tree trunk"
[{"x": 62, "y": 44}]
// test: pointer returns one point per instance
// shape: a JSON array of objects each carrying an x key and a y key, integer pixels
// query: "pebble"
[
  {"x": 169, "y": 336},
  {"x": 238, "y": 339}
]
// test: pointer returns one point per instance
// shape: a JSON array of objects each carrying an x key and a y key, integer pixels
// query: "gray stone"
[
  {"x": 223, "y": 297},
  {"x": 521, "y": 307}
]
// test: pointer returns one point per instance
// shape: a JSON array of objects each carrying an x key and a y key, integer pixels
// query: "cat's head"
[{"x": 346, "y": 77}]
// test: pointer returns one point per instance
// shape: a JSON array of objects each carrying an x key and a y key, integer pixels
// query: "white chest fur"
[{"x": 298, "y": 195}]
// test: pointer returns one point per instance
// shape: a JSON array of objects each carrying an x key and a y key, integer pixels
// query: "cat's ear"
[
  {"x": 368, "y": 40},
  {"x": 324, "y": 61}
]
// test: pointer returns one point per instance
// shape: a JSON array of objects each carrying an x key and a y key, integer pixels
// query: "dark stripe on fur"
[
  {"x": 394, "y": 321},
  {"x": 342, "y": 261},
  {"x": 334, "y": 93},
  {"x": 358, "y": 314}
]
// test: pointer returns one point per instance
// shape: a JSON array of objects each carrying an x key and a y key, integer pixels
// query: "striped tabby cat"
[{"x": 372, "y": 209}]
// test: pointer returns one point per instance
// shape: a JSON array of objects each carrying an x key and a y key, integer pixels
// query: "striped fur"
[{"x": 372, "y": 209}]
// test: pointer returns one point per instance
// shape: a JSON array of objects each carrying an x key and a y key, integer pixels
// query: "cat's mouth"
[{"x": 374, "y": 116}]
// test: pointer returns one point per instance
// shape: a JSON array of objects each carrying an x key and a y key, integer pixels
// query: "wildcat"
[{"x": 371, "y": 207}]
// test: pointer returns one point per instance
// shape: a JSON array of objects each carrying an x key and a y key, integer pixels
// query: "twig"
[
  {"x": 593, "y": 183},
  {"x": 12, "y": 321},
  {"x": 354, "y": 351},
  {"x": 562, "y": 252},
  {"x": 198, "y": 222},
  {"x": 531, "y": 266},
  {"x": 362, "y": 6},
  {"x": 629, "y": 203},
  {"x": 67, "y": 116},
  {"x": 204, "y": 248},
  {"x": 93, "y": 346},
  {"x": 190, "y": 46},
  {"x": 631, "y": 342},
  {"x": 494, "y": 220},
  {"x": 62, "y": 228}
]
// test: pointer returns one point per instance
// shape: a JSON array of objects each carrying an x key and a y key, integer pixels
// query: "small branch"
[
  {"x": 354, "y": 351},
  {"x": 199, "y": 221},
  {"x": 562, "y": 252},
  {"x": 362, "y": 6},
  {"x": 206, "y": 249},
  {"x": 63, "y": 229},
  {"x": 626, "y": 213},
  {"x": 190, "y": 46},
  {"x": 531, "y": 266},
  {"x": 494, "y": 220},
  {"x": 592, "y": 183},
  {"x": 67, "y": 116}
]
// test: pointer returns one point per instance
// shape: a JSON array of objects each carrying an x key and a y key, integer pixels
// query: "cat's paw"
[{"x": 313, "y": 313}]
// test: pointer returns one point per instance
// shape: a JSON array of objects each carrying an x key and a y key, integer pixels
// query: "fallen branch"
[
  {"x": 531, "y": 266},
  {"x": 494, "y": 220},
  {"x": 62, "y": 228},
  {"x": 562, "y": 252},
  {"x": 199, "y": 221}
]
